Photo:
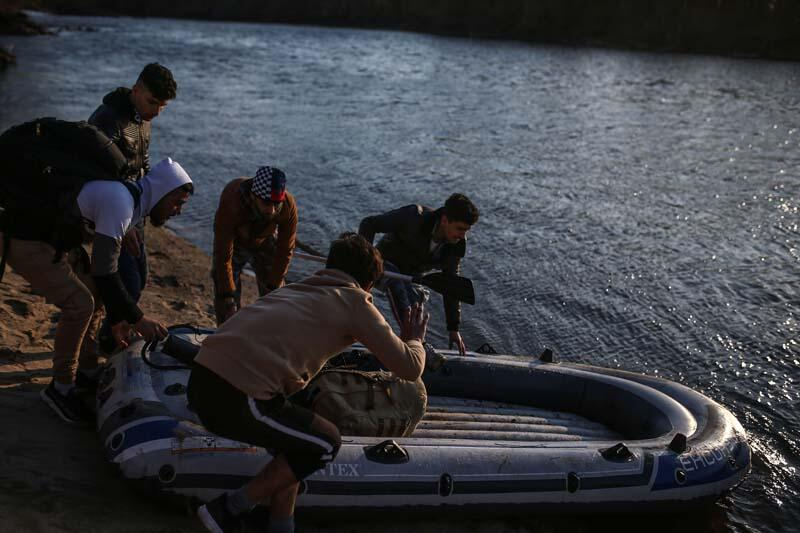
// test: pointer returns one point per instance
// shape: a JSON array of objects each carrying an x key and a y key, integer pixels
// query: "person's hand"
[
  {"x": 132, "y": 242},
  {"x": 415, "y": 323},
  {"x": 455, "y": 338},
  {"x": 151, "y": 330},
  {"x": 226, "y": 308},
  {"x": 121, "y": 331}
]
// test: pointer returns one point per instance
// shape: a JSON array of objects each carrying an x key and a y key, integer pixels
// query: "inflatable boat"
[{"x": 502, "y": 433}]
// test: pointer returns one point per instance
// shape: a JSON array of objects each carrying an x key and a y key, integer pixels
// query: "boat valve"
[
  {"x": 573, "y": 482},
  {"x": 445, "y": 485}
]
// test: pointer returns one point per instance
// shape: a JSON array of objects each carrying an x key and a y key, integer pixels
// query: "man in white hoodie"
[{"x": 109, "y": 209}]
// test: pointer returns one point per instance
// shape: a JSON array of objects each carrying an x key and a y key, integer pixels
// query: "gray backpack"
[{"x": 368, "y": 404}]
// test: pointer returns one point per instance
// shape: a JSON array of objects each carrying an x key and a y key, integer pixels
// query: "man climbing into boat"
[
  {"x": 64, "y": 274},
  {"x": 125, "y": 116},
  {"x": 245, "y": 373},
  {"x": 256, "y": 222},
  {"x": 418, "y": 239}
]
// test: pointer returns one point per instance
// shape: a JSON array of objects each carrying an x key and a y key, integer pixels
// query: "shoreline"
[{"x": 738, "y": 28}]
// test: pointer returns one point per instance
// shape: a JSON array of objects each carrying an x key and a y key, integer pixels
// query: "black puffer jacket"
[
  {"x": 407, "y": 243},
  {"x": 118, "y": 119}
]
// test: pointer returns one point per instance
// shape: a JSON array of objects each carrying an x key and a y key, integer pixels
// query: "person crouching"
[{"x": 246, "y": 372}]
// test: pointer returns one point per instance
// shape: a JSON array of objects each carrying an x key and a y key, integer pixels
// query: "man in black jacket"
[
  {"x": 124, "y": 117},
  {"x": 418, "y": 239}
]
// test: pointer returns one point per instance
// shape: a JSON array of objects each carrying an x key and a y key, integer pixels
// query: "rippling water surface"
[{"x": 638, "y": 211}]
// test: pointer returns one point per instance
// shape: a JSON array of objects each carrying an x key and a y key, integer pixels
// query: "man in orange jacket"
[{"x": 256, "y": 222}]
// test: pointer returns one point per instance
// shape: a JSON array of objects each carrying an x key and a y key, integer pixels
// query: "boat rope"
[{"x": 150, "y": 346}]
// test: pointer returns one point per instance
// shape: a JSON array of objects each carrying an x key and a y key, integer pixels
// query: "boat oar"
[{"x": 455, "y": 286}]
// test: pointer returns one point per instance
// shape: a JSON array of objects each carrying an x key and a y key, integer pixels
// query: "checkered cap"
[{"x": 269, "y": 183}]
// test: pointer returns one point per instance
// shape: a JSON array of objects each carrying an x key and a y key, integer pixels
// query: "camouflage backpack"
[{"x": 369, "y": 404}]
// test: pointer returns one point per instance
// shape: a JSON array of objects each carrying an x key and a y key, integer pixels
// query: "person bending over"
[
  {"x": 418, "y": 239},
  {"x": 108, "y": 210},
  {"x": 245, "y": 374},
  {"x": 256, "y": 222}
]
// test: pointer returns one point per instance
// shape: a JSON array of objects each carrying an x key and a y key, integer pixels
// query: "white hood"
[{"x": 162, "y": 179}]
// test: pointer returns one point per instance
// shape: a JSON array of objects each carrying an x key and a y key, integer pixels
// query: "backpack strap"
[{"x": 136, "y": 191}]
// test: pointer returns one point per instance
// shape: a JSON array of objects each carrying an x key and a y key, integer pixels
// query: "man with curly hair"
[{"x": 124, "y": 116}]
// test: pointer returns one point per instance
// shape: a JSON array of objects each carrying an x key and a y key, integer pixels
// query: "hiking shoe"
[
  {"x": 69, "y": 407},
  {"x": 216, "y": 518}
]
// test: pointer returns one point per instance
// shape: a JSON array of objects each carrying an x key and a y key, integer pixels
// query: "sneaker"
[
  {"x": 216, "y": 518},
  {"x": 69, "y": 407}
]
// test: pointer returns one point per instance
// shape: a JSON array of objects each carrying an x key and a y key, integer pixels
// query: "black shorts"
[{"x": 307, "y": 440}]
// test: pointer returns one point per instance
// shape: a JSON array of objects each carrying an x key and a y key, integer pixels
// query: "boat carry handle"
[{"x": 387, "y": 452}]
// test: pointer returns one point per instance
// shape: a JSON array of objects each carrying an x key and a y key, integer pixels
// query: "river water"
[{"x": 638, "y": 210}]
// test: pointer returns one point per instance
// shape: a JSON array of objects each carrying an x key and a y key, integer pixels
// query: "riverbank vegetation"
[{"x": 764, "y": 28}]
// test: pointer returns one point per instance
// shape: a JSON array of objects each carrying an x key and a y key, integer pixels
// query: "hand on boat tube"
[
  {"x": 121, "y": 331},
  {"x": 149, "y": 329},
  {"x": 415, "y": 323},
  {"x": 455, "y": 338}
]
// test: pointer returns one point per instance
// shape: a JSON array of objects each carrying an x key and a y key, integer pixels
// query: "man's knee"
[
  {"x": 305, "y": 464},
  {"x": 80, "y": 304}
]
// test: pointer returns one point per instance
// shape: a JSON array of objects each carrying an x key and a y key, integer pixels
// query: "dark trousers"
[
  {"x": 280, "y": 425},
  {"x": 260, "y": 260}
]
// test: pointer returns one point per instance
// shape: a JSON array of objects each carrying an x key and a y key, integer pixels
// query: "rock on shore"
[
  {"x": 6, "y": 57},
  {"x": 15, "y": 22}
]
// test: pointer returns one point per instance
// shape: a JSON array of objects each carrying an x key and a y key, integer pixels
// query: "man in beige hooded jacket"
[{"x": 271, "y": 349}]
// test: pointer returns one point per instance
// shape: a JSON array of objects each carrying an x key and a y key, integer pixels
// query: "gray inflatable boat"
[{"x": 502, "y": 433}]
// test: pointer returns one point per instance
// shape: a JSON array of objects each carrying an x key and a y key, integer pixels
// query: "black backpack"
[{"x": 43, "y": 165}]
